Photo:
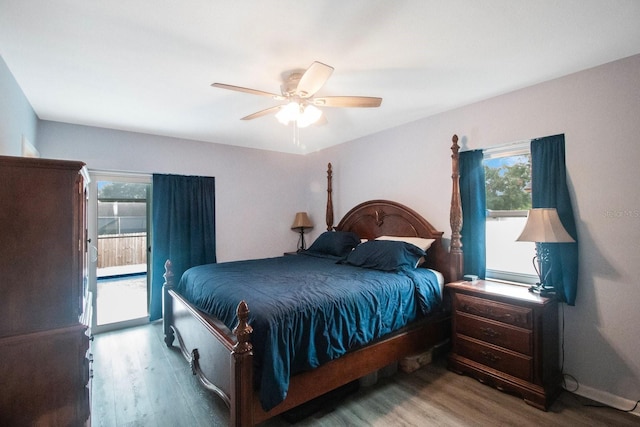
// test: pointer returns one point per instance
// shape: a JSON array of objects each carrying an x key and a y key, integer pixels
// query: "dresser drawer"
[
  {"x": 511, "y": 363},
  {"x": 510, "y": 314},
  {"x": 516, "y": 339}
]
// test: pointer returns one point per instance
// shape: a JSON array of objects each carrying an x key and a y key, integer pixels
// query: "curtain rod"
[
  {"x": 516, "y": 146},
  {"x": 120, "y": 176},
  {"x": 119, "y": 173},
  {"x": 501, "y": 147}
]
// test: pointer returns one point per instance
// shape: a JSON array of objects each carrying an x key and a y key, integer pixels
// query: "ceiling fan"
[{"x": 298, "y": 93}]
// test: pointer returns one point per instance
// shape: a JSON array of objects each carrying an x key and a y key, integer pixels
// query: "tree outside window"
[{"x": 508, "y": 196}]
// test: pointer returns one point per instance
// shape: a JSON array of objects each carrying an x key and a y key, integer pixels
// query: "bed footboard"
[
  {"x": 167, "y": 305},
  {"x": 221, "y": 359}
]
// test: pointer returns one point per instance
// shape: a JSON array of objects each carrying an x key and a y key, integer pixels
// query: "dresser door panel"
[
  {"x": 48, "y": 385},
  {"x": 41, "y": 245}
]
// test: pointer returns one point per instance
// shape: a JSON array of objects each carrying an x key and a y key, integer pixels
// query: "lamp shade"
[
  {"x": 544, "y": 226},
  {"x": 301, "y": 221}
]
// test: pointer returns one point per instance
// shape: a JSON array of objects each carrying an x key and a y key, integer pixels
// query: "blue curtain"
[
  {"x": 549, "y": 190},
  {"x": 183, "y": 216},
  {"x": 474, "y": 206}
]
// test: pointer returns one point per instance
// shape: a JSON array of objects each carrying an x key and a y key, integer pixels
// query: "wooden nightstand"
[{"x": 506, "y": 337}]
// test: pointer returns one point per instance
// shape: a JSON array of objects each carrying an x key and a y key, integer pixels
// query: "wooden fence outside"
[{"x": 122, "y": 249}]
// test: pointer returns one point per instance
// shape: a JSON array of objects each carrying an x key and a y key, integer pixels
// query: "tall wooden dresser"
[
  {"x": 506, "y": 337},
  {"x": 44, "y": 338}
]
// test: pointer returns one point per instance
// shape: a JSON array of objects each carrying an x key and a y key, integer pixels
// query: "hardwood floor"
[{"x": 138, "y": 381}]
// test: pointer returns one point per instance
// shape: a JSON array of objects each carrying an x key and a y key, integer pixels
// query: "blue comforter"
[{"x": 307, "y": 310}]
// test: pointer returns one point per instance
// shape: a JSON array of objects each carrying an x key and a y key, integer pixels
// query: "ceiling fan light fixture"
[
  {"x": 309, "y": 115},
  {"x": 302, "y": 115},
  {"x": 288, "y": 113}
]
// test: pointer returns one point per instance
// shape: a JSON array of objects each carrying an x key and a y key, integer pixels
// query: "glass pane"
[
  {"x": 122, "y": 251},
  {"x": 503, "y": 252},
  {"x": 508, "y": 191},
  {"x": 508, "y": 183}
]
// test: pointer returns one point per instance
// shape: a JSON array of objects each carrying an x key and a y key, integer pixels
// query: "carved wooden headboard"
[
  {"x": 386, "y": 218},
  {"x": 376, "y": 218},
  {"x": 383, "y": 217}
]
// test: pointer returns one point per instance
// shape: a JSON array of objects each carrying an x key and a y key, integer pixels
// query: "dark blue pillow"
[
  {"x": 385, "y": 255},
  {"x": 336, "y": 243}
]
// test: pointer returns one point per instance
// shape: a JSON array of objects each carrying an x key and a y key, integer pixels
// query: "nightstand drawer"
[
  {"x": 511, "y": 314},
  {"x": 505, "y": 361},
  {"x": 497, "y": 333}
]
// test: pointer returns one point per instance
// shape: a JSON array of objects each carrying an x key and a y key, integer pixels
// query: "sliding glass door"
[{"x": 118, "y": 217}]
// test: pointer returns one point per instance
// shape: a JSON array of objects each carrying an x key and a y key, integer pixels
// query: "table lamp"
[
  {"x": 543, "y": 226},
  {"x": 300, "y": 223}
]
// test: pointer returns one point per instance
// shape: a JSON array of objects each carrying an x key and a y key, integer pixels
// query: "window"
[
  {"x": 122, "y": 207},
  {"x": 508, "y": 190}
]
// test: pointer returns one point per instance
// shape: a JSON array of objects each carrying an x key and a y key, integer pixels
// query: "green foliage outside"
[
  {"x": 508, "y": 183},
  {"x": 123, "y": 191}
]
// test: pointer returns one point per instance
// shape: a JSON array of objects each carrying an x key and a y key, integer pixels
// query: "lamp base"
[
  {"x": 301, "y": 244},
  {"x": 542, "y": 290},
  {"x": 540, "y": 287}
]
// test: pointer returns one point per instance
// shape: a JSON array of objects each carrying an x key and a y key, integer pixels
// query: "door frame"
[{"x": 92, "y": 236}]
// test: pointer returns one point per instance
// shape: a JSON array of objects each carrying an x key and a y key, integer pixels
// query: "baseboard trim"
[{"x": 600, "y": 396}]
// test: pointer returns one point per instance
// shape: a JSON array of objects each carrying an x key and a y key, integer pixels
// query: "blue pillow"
[
  {"x": 385, "y": 255},
  {"x": 336, "y": 243}
]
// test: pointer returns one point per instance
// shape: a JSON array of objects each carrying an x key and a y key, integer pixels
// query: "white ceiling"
[{"x": 147, "y": 65}]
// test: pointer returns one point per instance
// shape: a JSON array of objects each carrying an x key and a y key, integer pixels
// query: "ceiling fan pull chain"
[{"x": 296, "y": 133}]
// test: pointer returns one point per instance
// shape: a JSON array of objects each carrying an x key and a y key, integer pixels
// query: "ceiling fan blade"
[
  {"x": 270, "y": 110},
  {"x": 247, "y": 90},
  {"x": 347, "y": 101},
  {"x": 313, "y": 79}
]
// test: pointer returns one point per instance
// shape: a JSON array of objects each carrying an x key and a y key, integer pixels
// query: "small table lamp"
[
  {"x": 543, "y": 226},
  {"x": 300, "y": 222}
]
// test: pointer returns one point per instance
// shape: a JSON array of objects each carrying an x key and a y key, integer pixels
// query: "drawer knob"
[
  {"x": 489, "y": 332},
  {"x": 490, "y": 357}
]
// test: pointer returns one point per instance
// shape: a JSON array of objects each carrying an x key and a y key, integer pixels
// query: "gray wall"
[
  {"x": 598, "y": 110},
  {"x": 17, "y": 119}
]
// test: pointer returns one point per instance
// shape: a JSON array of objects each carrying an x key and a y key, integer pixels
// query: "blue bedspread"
[{"x": 306, "y": 310}]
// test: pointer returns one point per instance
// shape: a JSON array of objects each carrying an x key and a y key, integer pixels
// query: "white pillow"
[{"x": 423, "y": 244}]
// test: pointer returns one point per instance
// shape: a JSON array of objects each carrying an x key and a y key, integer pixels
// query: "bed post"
[
  {"x": 329, "y": 214},
  {"x": 242, "y": 370},
  {"x": 167, "y": 303},
  {"x": 456, "y": 260}
]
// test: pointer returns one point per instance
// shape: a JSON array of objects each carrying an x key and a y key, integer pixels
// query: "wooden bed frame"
[{"x": 223, "y": 359}]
